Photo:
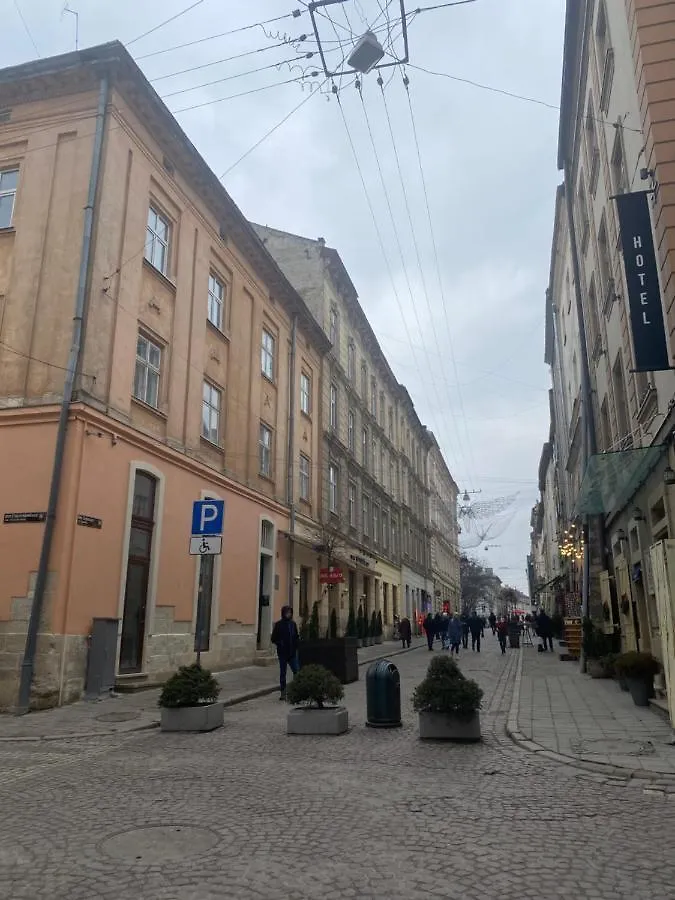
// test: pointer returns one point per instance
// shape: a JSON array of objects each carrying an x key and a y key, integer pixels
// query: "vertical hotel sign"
[{"x": 642, "y": 281}]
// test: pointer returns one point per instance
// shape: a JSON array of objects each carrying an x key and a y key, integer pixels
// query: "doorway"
[
  {"x": 138, "y": 574},
  {"x": 265, "y": 584}
]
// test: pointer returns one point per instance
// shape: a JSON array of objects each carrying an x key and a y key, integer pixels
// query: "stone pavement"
[
  {"x": 125, "y": 713},
  {"x": 588, "y": 721},
  {"x": 251, "y": 814}
]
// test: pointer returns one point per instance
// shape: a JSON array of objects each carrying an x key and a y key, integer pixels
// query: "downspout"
[
  {"x": 28, "y": 663},
  {"x": 290, "y": 493}
]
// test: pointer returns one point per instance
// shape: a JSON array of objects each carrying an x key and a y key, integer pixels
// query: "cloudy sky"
[{"x": 468, "y": 344}]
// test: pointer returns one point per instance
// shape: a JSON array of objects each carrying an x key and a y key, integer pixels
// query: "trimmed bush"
[
  {"x": 189, "y": 686},
  {"x": 314, "y": 686}
]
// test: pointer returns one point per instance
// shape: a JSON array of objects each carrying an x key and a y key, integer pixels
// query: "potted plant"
[
  {"x": 448, "y": 703},
  {"x": 596, "y": 645},
  {"x": 314, "y": 694},
  {"x": 189, "y": 701},
  {"x": 333, "y": 627},
  {"x": 337, "y": 654},
  {"x": 351, "y": 623},
  {"x": 379, "y": 634},
  {"x": 361, "y": 627},
  {"x": 313, "y": 632},
  {"x": 639, "y": 670},
  {"x": 373, "y": 629}
]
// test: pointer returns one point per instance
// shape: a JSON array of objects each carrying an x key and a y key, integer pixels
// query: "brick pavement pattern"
[
  {"x": 251, "y": 814},
  {"x": 589, "y": 720}
]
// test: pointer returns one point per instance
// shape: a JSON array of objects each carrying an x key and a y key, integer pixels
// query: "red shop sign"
[{"x": 332, "y": 575}]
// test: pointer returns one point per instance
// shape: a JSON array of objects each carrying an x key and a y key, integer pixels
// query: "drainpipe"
[
  {"x": 290, "y": 493},
  {"x": 28, "y": 663}
]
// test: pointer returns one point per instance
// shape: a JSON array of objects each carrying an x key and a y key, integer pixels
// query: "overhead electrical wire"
[
  {"x": 26, "y": 28},
  {"x": 233, "y": 77},
  {"x": 265, "y": 87},
  {"x": 216, "y": 62},
  {"x": 165, "y": 22}
]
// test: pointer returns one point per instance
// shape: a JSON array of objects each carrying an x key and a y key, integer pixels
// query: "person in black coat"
[
  {"x": 545, "y": 630},
  {"x": 429, "y": 628},
  {"x": 405, "y": 631},
  {"x": 476, "y": 629},
  {"x": 465, "y": 631},
  {"x": 285, "y": 638}
]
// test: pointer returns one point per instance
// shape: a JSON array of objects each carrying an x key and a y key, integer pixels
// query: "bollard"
[{"x": 383, "y": 695}]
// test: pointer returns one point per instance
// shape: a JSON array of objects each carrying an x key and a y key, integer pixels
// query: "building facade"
[
  {"x": 613, "y": 420},
  {"x": 373, "y": 468},
  {"x": 195, "y": 350},
  {"x": 443, "y": 530}
]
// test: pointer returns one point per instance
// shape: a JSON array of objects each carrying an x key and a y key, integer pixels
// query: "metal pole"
[
  {"x": 28, "y": 663},
  {"x": 290, "y": 494}
]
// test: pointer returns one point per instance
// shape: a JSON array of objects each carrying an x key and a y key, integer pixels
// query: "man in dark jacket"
[
  {"x": 285, "y": 638},
  {"x": 545, "y": 630},
  {"x": 405, "y": 631},
  {"x": 465, "y": 630},
  {"x": 492, "y": 619},
  {"x": 476, "y": 629},
  {"x": 429, "y": 628}
]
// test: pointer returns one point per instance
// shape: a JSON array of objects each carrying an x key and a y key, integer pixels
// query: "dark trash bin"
[{"x": 383, "y": 695}]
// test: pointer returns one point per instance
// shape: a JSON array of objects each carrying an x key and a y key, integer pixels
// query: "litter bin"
[{"x": 383, "y": 695}]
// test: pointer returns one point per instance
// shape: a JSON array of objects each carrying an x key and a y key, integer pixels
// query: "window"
[
  {"x": 373, "y": 398},
  {"x": 304, "y": 477},
  {"x": 365, "y": 515},
  {"x": 8, "y": 183},
  {"x": 394, "y": 537},
  {"x": 351, "y": 361},
  {"x": 351, "y": 437},
  {"x": 265, "y": 450},
  {"x": 584, "y": 221},
  {"x": 157, "y": 241},
  {"x": 391, "y": 476},
  {"x": 364, "y": 447},
  {"x": 333, "y": 488},
  {"x": 364, "y": 381},
  {"x": 593, "y": 150},
  {"x": 305, "y": 393},
  {"x": 334, "y": 332},
  {"x": 619, "y": 173},
  {"x": 216, "y": 309},
  {"x": 391, "y": 424},
  {"x": 382, "y": 409},
  {"x": 267, "y": 355},
  {"x": 146, "y": 376},
  {"x": 211, "y": 406},
  {"x": 383, "y": 471},
  {"x": 376, "y": 523},
  {"x": 619, "y": 385},
  {"x": 351, "y": 504},
  {"x": 374, "y": 458},
  {"x": 385, "y": 529},
  {"x": 333, "y": 407}
]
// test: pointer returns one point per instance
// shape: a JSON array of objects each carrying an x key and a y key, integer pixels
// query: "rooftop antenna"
[{"x": 67, "y": 9}]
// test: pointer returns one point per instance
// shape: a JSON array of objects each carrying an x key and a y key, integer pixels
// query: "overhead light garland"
[{"x": 570, "y": 546}]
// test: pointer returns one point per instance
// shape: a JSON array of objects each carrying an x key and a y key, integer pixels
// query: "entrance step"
[
  {"x": 130, "y": 684},
  {"x": 660, "y": 706},
  {"x": 265, "y": 658}
]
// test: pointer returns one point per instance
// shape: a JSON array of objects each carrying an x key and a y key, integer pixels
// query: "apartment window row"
[{"x": 9, "y": 181}]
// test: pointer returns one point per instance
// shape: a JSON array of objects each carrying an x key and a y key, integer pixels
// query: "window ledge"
[
  {"x": 9, "y": 229},
  {"x": 306, "y": 415},
  {"x": 269, "y": 380},
  {"x": 151, "y": 409},
  {"x": 218, "y": 331},
  {"x": 210, "y": 444},
  {"x": 166, "y": 281}
]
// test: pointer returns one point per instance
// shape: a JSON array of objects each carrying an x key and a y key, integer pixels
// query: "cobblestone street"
[{"x": 247, "y": 812}]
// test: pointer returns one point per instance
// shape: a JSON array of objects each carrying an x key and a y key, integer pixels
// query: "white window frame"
[
  {"x": 217, "y": 295},
  {"x": 351, "y": 431},
  {"x": 376, "y": 523},
  {"x": 157, "y": 246},
  {"x": 304, "y": 477},
  {"x": 9, "y": 192},
  {"x": 333, "y": 480},
  {"x": 265, "y": 445},
  {"x": 333, "y": 407},
  {"x": 351, "y": 360},
  {"x": 211, "y": 412},
  {"x": 351, "y": 503},
  {"x": 365, "y": 448},
  {"x": 305, "y": 393},
  {"x": 365, "y": 514},
  {"x": 268, "y": 346},
  {"x": 149, "y": 371}
]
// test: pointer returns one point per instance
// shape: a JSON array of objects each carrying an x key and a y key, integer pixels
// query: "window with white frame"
[
  {"x": 305, "y": 393},
  {"x": 333, "y": 488},
  {"x": 333, "y": 409},
  {"x": 267, "y": 350},
  {"x": 157, "y": 240},
  {"x": 333, "y": 327},
  {"x": 351, "y": 427},
  {"x": 365, "y": 515},
  {"x": 385, "y": 529},
  {"x": 351, "y": 360},
  {"x": 383, "y": 471},
  {"x": 364, "y": 381},
  {"x": 211, "y": 406},
  {"x": 351, "y": 504},
  {"x": 265, "y": 450},
  {"x": 216, "y": 307},
  {"x": 376, "y": 523},
  {"x": 147, "y": 372},
  {"x": 373, "y": 398},
  {"x": 374, "y": 458},
  {"x": 391, "y": 424},
  {"x": 305, "y": 467},
  {"x": 9, "y": 180},
  {"x": 365, "y": 442}
]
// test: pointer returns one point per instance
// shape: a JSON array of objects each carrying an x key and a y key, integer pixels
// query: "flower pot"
[
  {"x": 308, "y": 720},
  {"x": 641, "y": 689},
  {"x": 596, "y": 669},
  {"x": 446, "y": 727},
  {"x": 206, "y": 717},
  {"x": 623, "y": 684},
  {"x": 338, "y": 655}
]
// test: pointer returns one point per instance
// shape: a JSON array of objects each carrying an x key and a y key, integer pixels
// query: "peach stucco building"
[{"x": 191, "y": 336}]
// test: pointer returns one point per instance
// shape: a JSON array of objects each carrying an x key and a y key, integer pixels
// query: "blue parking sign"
[{"x": 207, "y": 517}]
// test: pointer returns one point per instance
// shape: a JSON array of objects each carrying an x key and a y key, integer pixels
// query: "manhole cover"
[
  {"x": 159, "y": 843},
  {"x": 117, "y": 716}
]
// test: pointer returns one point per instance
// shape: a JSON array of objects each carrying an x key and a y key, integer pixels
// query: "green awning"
[{"x": 612, "y": 479}]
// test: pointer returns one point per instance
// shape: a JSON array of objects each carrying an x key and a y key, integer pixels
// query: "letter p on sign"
[{"x": 207, "y": 517}]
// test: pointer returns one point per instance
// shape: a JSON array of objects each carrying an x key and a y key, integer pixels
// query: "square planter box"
[
  {"x": 330, "y": 720},
  {"x": 338, "y": 655},
  {"x": 442, "y": 727},
  {"x": 192, "y": 718}
]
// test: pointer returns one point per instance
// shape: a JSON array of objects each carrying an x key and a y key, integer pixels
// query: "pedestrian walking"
[
  {"x": 445, "y": 622},
  {"x": 476, "y": 629},
  {"x": 465, "y": 631},
  {"x": 492, "y": 619},
  {"x": 502, "y": 633},
  {"x": 405, "y": 632},
  {"x": 429, "y": 627},
  {"x": 285, "y": 638},
  {"x": 545, "y": 630},
  {"x": 455, "y": 634}
]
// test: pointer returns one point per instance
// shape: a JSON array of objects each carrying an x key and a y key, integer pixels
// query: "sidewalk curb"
[
  {"x": 611, "y": 771},
  {"x": 234, "y": 700}
]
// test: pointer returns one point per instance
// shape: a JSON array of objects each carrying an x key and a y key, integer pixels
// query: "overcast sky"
[{"x": 474, "y": 364}]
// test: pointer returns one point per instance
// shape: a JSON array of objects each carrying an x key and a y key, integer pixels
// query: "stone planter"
[
  {"x": 338, "y": 655},
  {"x": 596, "y": 669},
  {"x": 207, "y": 717},
  {"x": 444, "y": 727},
  {"x": 641, "y": 689},
  {"x": 308, "y": 720}
]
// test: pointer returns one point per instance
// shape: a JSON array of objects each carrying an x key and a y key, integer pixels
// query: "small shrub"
[
  {"x": 189, "y": 686},
  {"x": 351, "y": 623},
  {"x": 360, "y": 623},
  {"x": 380, "y": 629},
  {"x": 637, "y": 665},
  {"x": 313, "y": 631},
  {"x": 459, "y": 697},
  {"x": 372, "y": 632},
  {"x": 443, "y": 667},
  {"x": 314, "y": 686}
]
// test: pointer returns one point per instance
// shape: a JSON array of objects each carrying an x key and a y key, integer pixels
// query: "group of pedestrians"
[{"x": 454, "y": 630}]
